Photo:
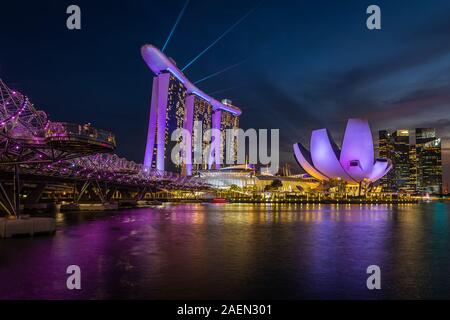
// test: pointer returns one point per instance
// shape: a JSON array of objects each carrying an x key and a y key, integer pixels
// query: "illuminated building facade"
[
  {"x": 396, "y": 146},
  {"x": 176, "y": 104},
  {"x": 245, "y": 177},
  {"x": 400, "y": 159},
  {"x": 429, "y": 161},
  {"x": 202, "y": 112},
  {"x": 353, "y": 163},
  {"x": 416, "y": 158},
  {"x": 412, "y": 184},
  {"x": 175, "y": 116},
  {"x": 228, "y": 121}
]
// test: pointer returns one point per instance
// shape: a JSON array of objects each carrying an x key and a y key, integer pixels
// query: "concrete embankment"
[{"x": 26, "y": 226}]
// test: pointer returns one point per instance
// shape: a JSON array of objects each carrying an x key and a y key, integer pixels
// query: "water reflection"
[{"x": 237, "y": 251}]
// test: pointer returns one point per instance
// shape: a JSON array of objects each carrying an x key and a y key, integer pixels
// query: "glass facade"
[
  {"x": 175, "y": 115},
  {"x": 396, "y": 146},
  {"x": 429, "y": 162},
  {"x": 412, "y": 184},
  {"x": 417, "y": 167},
  {"x": 202, "y": 112},
  {"x": 227, "y": 121},
  {"x": 177, "y": 103}
]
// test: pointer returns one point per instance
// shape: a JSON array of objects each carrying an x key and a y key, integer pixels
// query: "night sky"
[{"x": 306, "y": 64}]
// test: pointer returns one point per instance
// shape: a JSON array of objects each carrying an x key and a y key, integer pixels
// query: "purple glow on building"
[
  {"x": 324, "y": 155},
  {"x": 163, "y": 86},
  {"x": 357, "y": 149},
  {"x": 188, "y": 125},
  {"x": 380, "y": 168},
  {"x": 304, "y": 160},
  {"x": 158, "y": 62},
  {"x": 215, "y": 157},
  {"x": 354, "y": 163},
  {"x": 148, "y": 158},
  {"x": 158, "y": 128}
]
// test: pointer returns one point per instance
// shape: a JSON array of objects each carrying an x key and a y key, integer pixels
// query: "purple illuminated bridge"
[{"x": 64, "y": 153}]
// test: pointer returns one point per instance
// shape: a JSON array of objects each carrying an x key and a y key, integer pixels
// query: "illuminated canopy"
[{"x": 353, "y": 163}]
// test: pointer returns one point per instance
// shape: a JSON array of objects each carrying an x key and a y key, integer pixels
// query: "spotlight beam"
[
  {"x": 175, "y": 25},
  {"x": 219, "y": 72},
  {"x": 220, "y": 91},
  {"x": 234, "y": 25}
]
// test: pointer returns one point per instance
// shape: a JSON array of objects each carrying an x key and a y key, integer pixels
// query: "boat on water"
[{"x": 219, "y": 200}]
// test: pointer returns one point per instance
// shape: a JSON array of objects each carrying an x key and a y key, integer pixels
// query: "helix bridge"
[{"x": 34, "y": 148}]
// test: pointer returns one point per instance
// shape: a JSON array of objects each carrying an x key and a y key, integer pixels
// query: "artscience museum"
[{"x": 353, "y": 163}]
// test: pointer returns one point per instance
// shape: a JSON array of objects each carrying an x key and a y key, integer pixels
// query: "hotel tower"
[{"x": 177, "y": 103}]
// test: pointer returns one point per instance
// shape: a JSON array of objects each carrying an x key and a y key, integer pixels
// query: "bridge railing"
[{"x": 77, "y": 133}]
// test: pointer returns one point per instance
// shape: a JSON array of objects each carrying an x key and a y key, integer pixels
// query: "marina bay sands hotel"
[{"x": 177, "y": 103}]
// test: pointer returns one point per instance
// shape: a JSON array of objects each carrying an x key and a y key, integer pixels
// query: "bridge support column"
[
  {"x": 16, "y": 191},
  {"x": 5, "y": 201},
  {"x": 141, "y": 194},
  {"x": 110, "y": 193},
  {"x": 36, "y": 194},
  {"x": 10, "y": 202},
  {"x": 101, "y": 193},
  {"x": 82, "y": 191}
]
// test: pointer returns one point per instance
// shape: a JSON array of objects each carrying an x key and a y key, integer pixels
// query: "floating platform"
[
  {"x": 148, "y": 203},
  {"x": 50, "y": 207},
  {"x": 26, "y": 226},
  {"x": 89, "y": 206}
]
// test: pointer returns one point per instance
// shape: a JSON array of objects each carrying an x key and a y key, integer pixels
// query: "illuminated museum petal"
[
  {"x": 357, "y": 155},
  {"x": 325, "y": 155},
  {"x": 303, "y": 158},
  {"x": 380, "y": 168},
  {"x": 353, "y": 164}
]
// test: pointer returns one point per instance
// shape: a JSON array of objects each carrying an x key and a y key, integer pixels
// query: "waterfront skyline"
[
  {"x": 399, "y": 75},
  {"x": 184, "y": 152},
  {"x": 417, "y": 158}
]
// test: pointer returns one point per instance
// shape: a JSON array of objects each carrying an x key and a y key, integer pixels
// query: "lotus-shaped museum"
[{"x": 353, "y": 163}]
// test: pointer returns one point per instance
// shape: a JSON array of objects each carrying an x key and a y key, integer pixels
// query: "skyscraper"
[
  {"x": 386, "y": 150},
  {"x": 412, "y": 183},
  {"x": 429, "y": 162},
  {"x": 203, "y": 112},
  {"x": 228, "y": 120},
  {"x": 417, "y": 166},
  {"x": 177, "y": 104},
  {"x": 167, "y": 113},
  {"x": 396, "y": 146}
]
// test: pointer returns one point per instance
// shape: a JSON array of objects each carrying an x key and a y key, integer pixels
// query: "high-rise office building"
[
  {"x": 385, "y": 150},
  {"x": 395, "y": 146},
  {"x": 412, "y": 183},
  {"x": 417, "y": 166},
  {"x": 177, "y": 104},
  {"x": 429, "y": 162}
]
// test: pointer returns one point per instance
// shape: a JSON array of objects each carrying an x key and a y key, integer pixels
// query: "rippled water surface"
[{"x": 234, "y": 251}]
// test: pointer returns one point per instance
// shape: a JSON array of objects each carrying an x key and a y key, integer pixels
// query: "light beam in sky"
[
  {"x": 220, "y": 91},
  {"x": 234, "y": 25},
  {"x": 175, "y": 25},
  {"x": 219, "y": 72}
]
